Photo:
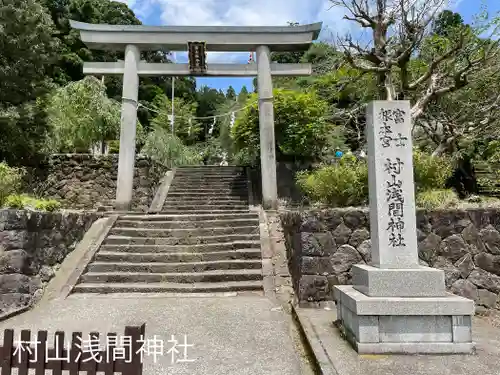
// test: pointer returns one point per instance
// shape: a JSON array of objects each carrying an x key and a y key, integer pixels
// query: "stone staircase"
[{"x": 205, "y": 240}]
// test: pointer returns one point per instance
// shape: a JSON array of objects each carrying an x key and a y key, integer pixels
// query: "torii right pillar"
[{"x": 266, "y": 126}]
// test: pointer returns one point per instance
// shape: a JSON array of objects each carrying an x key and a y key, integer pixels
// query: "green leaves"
[
  {"x": 340, "y": 185},
  {"x": 168, "y": 149},
  {"x": 345, "y": 183},
  {"x": 185, "y": 127},
  {"x": 10, "y": 181},
  {"x": 26, "y": 51},
  {"x": 300, "y": 127},
  {"x": 431, "y": 172},
  {"x": 81, "y": 115}
]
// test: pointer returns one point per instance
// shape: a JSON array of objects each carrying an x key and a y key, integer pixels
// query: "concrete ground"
[
  {"x": 231, "y": 335},
  {"x": 336, "y": 357}
]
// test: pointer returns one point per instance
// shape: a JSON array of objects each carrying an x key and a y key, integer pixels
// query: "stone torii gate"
[{"x": 136, "y": 38}]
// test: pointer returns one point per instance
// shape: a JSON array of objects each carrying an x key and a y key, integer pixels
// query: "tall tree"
[
  {"x": 230, "y": 93},
  {"x": 446, "y": 21},
  {"x": 80, "y": 116},
  {"x": 27, "y": 50},
  {"x": 185, "y": 126},
  {"x": 400, "y": 30},
  {"x": 243, "y": 95},
  {"x": 208, "y": 101}
]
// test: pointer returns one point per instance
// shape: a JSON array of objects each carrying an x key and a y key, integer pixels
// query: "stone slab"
[
  {"x": 418, "y": 282},
  {"x": 362, "y": 304},
  {"x": 415, "y": 329},
  {"x": 415, "y": 348}
]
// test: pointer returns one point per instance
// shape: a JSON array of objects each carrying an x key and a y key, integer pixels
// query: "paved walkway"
[
  {"x": 336, "y": 356},
  {"x": 231, "y": 335}
]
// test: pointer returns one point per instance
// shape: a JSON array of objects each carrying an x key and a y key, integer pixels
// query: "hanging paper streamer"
[
  {"x": 233, "y": 119},
  {"x": 210, "y": 131}
]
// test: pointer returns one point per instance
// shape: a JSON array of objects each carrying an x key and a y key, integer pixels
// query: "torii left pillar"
[{"x": 126, "y": 161}]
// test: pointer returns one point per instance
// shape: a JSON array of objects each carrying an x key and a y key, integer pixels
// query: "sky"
[{"x": 259, "y": 13}]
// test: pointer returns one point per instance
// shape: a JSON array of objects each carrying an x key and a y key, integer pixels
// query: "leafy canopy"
[
  {"x": 81, "y": 115},
  {"x": 300, "y": 126}
]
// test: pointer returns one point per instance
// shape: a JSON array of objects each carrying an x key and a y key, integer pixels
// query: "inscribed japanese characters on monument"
[{"x": 392, "y": 206}]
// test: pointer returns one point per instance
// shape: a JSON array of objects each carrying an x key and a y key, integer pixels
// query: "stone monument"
[{"x": 395, "y": 305}]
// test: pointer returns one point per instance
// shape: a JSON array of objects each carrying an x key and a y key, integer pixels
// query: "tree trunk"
[{"x": 445, "y": 147}]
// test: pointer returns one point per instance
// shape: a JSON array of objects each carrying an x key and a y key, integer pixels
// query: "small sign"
[{"x": 197, "y": 57}]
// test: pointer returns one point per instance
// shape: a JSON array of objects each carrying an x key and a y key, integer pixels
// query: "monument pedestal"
[
  {"x": 404, "y": 325},
  {"x": 398, "y": 306}
]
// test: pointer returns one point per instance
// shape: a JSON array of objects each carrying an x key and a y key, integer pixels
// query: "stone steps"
[
  {"x": 196, "y": 192},
  {"x": 193, "y": 248},
  {"x": 179, "y": 217},
  {"x": 213, "y": 199},
  {"x": 183, "y": 232},
  {"x": 178, "y": 257},
  {"x": 219, "y": 179},
  {"x": 173, "y": 267},
  {"x": 184, "y": 186},
  {"x": 204, "y": 240},
  {"x": 184, "y": 224},
  {"x": 220, "y": 287},
  {"x": 128, "y": 240},
  {"x": 203, "y": 211},
  {"x": 206, "y": 203},
  {"x": 175, "y": 277},
  {"x": 212, "y": 173},
  {"x": 210, "y": 178},
  {"x": 211, "y": 170}
]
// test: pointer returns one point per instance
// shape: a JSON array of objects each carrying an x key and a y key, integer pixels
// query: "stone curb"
[
  {"x": 15, "y": 312},
  {"x": 251, "y": 201},
  {"x": 320, "y": 358},
  {"x": 76, "y": 262},
  {"x": 162, "y": 192}
]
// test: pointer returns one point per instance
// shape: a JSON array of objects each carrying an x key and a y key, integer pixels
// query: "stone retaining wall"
[
  {"x": 32, "y": 245},
  {"x": 323, "y": 245},
  {"x": 84, "y": 181}
]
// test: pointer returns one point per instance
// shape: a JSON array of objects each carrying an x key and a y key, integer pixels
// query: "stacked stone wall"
[
  {"x": 32, "y": 246},
  {"x": 84, "y": 181},
  {"x": 323, "y": 246}
]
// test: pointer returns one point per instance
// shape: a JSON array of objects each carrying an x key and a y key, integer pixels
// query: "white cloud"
[
  {"x": 248, "y": 13},
  {"x": 235, "y": 12},
  {"x": 130, "y": 3}
]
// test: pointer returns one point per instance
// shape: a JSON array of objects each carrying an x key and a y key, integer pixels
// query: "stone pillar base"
[
  {"x": 405, "y": 325},
  {"x": 120, "y": 206}
]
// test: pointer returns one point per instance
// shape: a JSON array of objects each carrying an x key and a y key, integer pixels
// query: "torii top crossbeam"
[{"x": 217, "y": 38}]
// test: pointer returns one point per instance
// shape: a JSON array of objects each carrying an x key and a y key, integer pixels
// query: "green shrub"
[
  {"x": 10, "y": 181},
  {"x": 441, "y": 198},
  {"x": 25, "y": 201},
  {"x": 14, "y": 201},
  {"x": 431, "y": 172},
  {"x": 346, "y": 182},
  {"x": 340, "y": 185},
  {"x": 168, "y": 149},
  {"x": 301, "y": 130},
  {"x": 114, "y": 147}
]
